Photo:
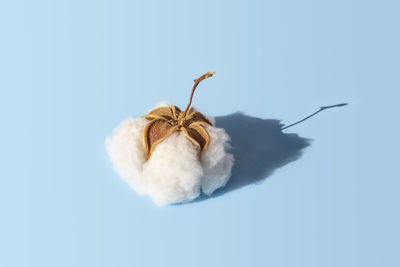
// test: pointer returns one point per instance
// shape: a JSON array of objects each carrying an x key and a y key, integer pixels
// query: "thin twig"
[{"x": 315, "y": 113}]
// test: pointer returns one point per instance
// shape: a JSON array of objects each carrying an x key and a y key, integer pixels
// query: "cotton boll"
[{"x": 174, "y": 172}]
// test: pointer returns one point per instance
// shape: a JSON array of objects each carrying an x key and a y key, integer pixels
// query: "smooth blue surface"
[{"x": 70, "y": 71}]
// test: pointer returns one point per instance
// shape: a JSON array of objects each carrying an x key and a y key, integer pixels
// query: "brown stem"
[{"x": 196, "y": 82}]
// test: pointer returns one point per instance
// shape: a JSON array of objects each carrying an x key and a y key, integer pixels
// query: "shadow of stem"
[{"x": 259, "y": 147}]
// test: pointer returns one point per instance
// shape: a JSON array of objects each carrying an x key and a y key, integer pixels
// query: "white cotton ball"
[
  {"x": 174, "y": 173},
  {"x": 127, "y": 152},
  {"x": 216, "y": 162}
]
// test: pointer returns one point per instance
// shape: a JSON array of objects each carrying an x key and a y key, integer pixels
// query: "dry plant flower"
[{"x": 170, "y": 155}]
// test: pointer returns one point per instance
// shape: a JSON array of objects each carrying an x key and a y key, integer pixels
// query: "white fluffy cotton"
[{"x": 174, "y": 173}]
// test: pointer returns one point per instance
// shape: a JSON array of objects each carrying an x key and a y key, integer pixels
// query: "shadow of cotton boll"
[{"x": 259, "y": 147}]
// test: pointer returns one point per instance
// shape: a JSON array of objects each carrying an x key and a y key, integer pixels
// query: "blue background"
[{"x": 70, "y": 71}]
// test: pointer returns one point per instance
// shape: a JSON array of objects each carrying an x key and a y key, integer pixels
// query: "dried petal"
[
  {"x": 194, "y": 142},
  {"x": 155, "y": 132},
  {"x": 195, "y": 116},
  {"x": 199, "y": 135},
  {"x": 160, "y": 113}
]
